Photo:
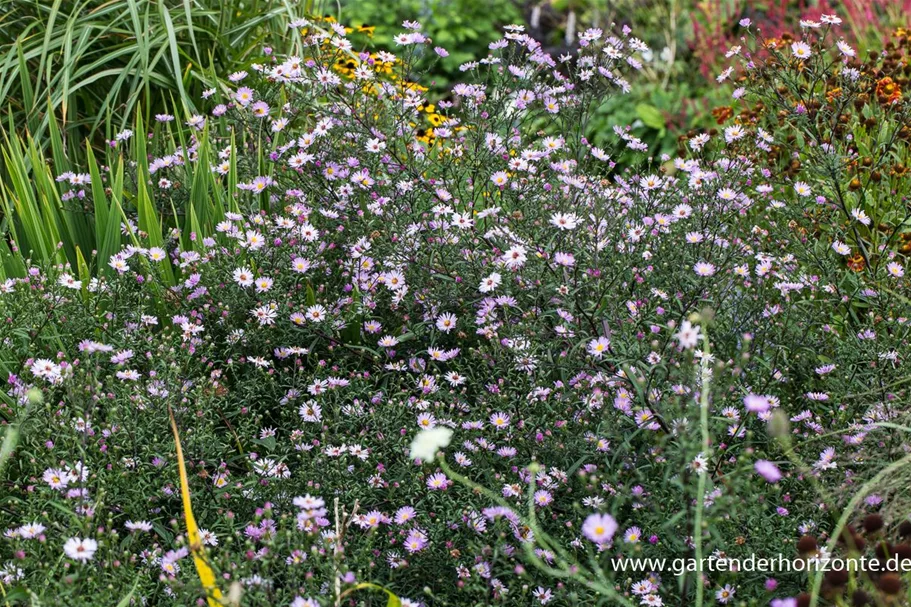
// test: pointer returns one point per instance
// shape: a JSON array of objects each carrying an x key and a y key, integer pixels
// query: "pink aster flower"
[
  {"x": 597, "y": 347},
  {"x": 599, "y": 528},
  {"x": 768, "y": 471},
  {"x": 438, "y": 481},
  {"x": 756, "y": 403},
  {"x": 704, "y": 268},
  {"x": 801, "y": 50}
]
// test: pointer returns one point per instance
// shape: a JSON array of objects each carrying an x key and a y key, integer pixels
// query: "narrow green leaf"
[
  {"x": 28, "y": 93},
  {"x": 149, "y": 219},
  {"x": 125, "y": 601},
  {"x": 61, "y": 162},
  {"x": 175, "y": 53},
  {"x": 393, "y": 600}
]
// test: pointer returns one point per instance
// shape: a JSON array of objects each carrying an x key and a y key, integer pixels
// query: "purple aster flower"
[
  {"x": 599, "y": 528},
  {"x": 768, "y": 471}
]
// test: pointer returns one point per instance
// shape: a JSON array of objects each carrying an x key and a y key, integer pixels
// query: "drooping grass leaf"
[{"x": 197, "y": 549}]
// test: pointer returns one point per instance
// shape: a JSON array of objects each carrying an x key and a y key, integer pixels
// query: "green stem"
[
  {"x": 706, "y": 376},
  {"x": 568, "y": 567},
  {"x": 846, "y": 514}
]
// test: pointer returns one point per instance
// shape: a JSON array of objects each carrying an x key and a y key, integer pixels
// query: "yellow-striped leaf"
[{"x": 197, "y": 550}]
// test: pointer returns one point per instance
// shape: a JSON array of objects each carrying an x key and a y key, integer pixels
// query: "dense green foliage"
[{"x": 90, "y": 63}]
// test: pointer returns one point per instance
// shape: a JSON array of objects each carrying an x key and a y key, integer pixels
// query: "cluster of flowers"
[{"x": 503, "y": 280}]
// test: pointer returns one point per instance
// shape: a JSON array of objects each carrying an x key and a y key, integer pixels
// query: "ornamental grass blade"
[
  {"x": 102, "y": 213},
  {"x": 21, "y": 205},
  {"x": 11, "y": 264},
  {"x": 28, "y": 93},
  {"x": 85, "y": 274},
  {"x": 61, "y": 162},
  {"x": 393, "y": 601},
  {"x": 125, "y": 601},
  {"x": 203, "y": 570},
  {"x": 72, "y": 229},
  {"x": 149, "y": 220},
  {"x": 11, "y": 436},
  {"x": 175, "y": 53}
]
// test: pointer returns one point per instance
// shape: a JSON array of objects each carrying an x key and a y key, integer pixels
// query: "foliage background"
[{"x": 90, "y": 63}]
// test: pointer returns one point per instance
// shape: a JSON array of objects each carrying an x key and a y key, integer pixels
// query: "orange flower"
[
  {"x": 722, "y": 114},
  {"x": 856, "y": 263},
  {"x": 888, "y": 91}
]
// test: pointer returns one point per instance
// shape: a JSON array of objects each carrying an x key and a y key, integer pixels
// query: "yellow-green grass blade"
[{"x": 197, "y": 548}]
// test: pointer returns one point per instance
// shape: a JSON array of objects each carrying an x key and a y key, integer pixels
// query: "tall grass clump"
[{"x": 90, "y": 64}]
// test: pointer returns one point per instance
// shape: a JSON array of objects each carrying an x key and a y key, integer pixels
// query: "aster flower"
[
  {"x": 826, "y": 460},
  {"x": 725, "y": 594},
  {"x": 599, "y": 528},
  {"x": 404, "y": 515},
  {"x": 598, "y": 347},
  {"x": 841, "y": 248},
  {"x": 801, "y": 50},
  {"x": 768, "y": 471},
  {"x": 56, "y": 478},
  {"x": 416, "y": 541},
  {"x": 490, "y": 283},
  {"x": 446, "y": 322},
  {"x": 564, "y": 221},
  {"x": 243, "y": 277},
  {"x": 845, "y": 49},
  {"x": 30, "y": 530},
  {"x": 632, "y": 535},
  {"x": 499, "y": 420},
  {"x": 157, "y": 254},
  {"x": 499, "y": 179},
  {"x": 437, "y": 481},
  {"x": 66, "y": 280},
  {"x": 80, "y": 549},
  {"x": 263, "y": 284},
  {"x": 264, "y": 314},
  {"x": 316, "y": 313},
  {"x": 427, "y": 443},
  {"x": 704, "y": 269},
  {"x": 688, "y": 336},
  {"x": 388, "y": 341},
  {"x": 755, "y": 403},
  {"x": 699, "y": 464},
  {"x": 515, "y": 257}
]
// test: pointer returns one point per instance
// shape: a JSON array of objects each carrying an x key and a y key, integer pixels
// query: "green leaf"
[
  {"x": 149, "y": 219},
  {"x": 268, "y": 442},
  {"x": 311, "y": 296},
  {"x": 125, "y": 601},
  {"x": 393, "y": 601},
  {"x": 61, "y": 163},
  {"x": 105, "y": 243},
  {"x": 82, "y": 269},
  {"x": 651, "y": 116},
  {"x": 16, "y": 594},
  {"x": 10, "y": 438},
  {"x": 28, "y": 94},
  {"x": 175, "y": 53}
]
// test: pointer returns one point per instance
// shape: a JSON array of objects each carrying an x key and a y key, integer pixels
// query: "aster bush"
[{"x": 324, "y": 283}]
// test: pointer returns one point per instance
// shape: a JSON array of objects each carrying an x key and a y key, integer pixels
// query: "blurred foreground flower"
[{"x": 426, "y": 444}]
